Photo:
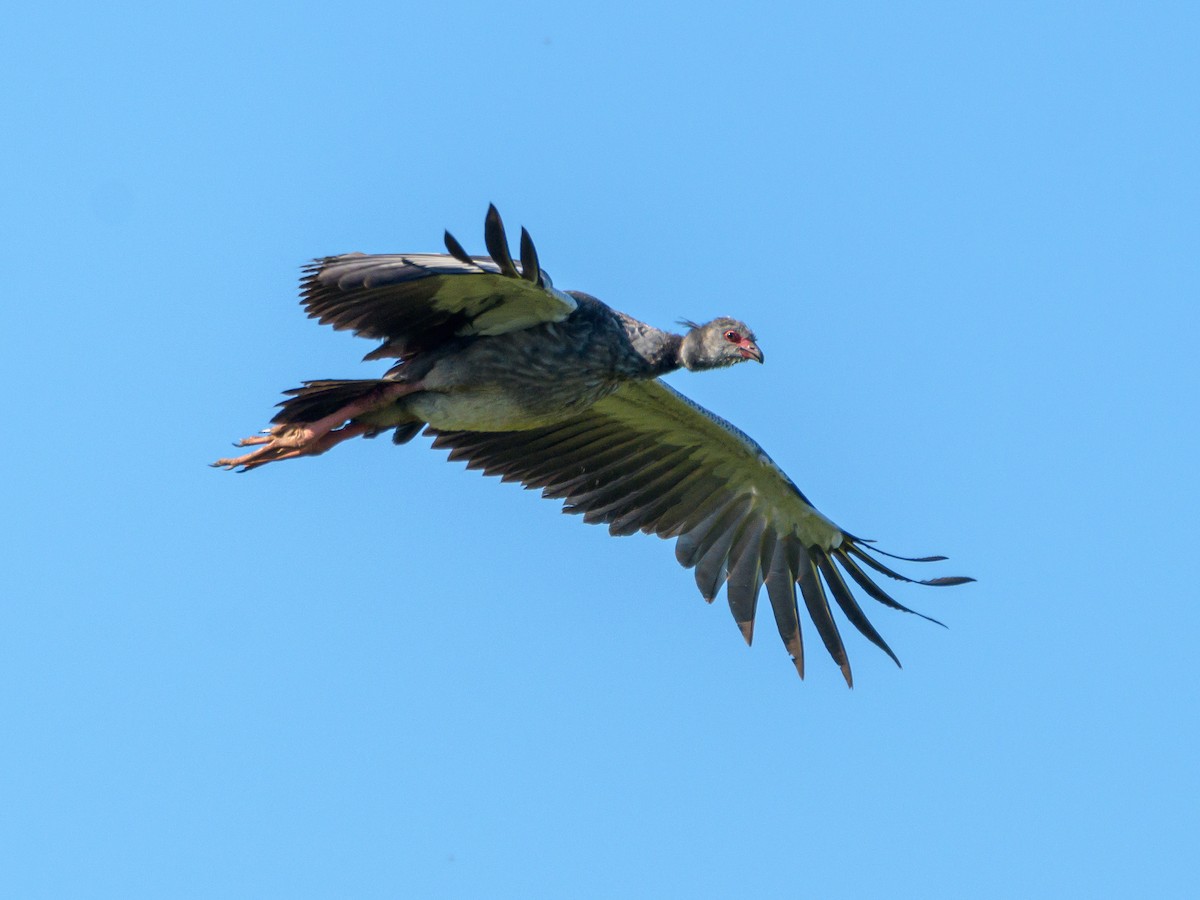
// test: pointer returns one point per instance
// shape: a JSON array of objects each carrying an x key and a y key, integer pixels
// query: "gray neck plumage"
[
  {"x": 660, "y": 351},
  {"x": 657, "y": 351}
]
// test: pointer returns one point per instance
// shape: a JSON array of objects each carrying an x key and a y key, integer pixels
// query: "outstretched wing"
[
  {"x": 416, "y": 301},
  {"x": 647, "y": 458}
]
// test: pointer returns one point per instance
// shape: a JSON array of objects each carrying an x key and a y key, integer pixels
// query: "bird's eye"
[{"x": 733, "y": 337}]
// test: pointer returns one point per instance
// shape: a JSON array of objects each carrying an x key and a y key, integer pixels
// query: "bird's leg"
[
  {"x": 277, "y": 450},
  {"x": 288, "y": 440}
]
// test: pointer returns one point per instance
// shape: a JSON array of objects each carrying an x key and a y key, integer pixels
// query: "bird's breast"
[{"x": 522, "y": 380}]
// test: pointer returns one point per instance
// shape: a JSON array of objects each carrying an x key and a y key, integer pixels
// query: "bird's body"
[
  {"x": 532, "y": 377},
  {"x": 561, "y": 392}
]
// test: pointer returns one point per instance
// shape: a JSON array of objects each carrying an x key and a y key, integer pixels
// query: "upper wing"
[
  {"x": 415, "y": 301},
  {"x": 648, "y": 458}
]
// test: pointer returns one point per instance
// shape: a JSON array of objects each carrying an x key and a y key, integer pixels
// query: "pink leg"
[
  {"x": 290, "y": 440},
  {"x": 276, "y": 452}
]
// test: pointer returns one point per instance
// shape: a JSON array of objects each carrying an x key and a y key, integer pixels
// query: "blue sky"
[{"x": 967, "y": 239}]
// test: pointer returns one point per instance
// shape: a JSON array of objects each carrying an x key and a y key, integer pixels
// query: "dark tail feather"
[
  {"x": 405, "y": 433},
  {"x": 318, "y": 399}
]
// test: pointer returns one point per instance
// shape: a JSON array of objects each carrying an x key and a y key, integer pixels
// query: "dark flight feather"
[
  {"x": 497, "y": 243},
  {"x": 530, "y": 270},
  {"x": 456, "y": 250}
]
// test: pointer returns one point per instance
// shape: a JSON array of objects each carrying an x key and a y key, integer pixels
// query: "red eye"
[{"x": 733, "y": 337}]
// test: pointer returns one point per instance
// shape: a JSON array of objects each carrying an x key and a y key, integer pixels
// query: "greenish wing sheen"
[{"x": 649, "y": 459}]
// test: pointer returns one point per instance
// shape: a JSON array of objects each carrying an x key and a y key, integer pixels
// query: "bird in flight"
[{"x": 558, "y": 391}]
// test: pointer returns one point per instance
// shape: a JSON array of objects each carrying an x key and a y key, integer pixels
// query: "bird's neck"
[{"x": 665, "y": 356}]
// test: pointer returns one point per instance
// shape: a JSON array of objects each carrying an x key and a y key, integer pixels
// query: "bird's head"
[{"x": 721, "y": 342}]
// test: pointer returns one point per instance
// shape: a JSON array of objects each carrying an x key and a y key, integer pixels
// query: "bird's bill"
[{"x": 749, "y": 350}]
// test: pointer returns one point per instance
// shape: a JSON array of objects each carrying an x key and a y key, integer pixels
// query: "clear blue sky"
[{"x": 967, "y": 237}]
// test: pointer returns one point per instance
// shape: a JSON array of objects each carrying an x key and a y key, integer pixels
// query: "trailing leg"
[{"x": 316, "y": 418}]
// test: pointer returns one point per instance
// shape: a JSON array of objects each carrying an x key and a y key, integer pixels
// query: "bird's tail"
[{"x": 315, "y": 400}]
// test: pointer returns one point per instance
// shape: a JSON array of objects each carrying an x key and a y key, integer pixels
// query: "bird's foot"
[{"x": 288, "y": 441}]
